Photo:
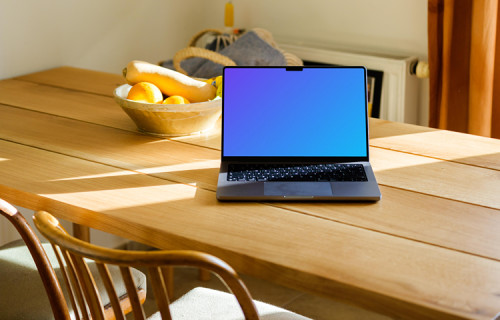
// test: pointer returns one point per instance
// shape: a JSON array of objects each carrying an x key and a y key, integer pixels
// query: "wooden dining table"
[{"x": 430, "y": 249}]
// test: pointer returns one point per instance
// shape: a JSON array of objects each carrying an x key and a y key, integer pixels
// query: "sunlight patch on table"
[
  {"x": 383, "y": 160},
  {"x": 197, "y": 165},
  {"x": 121, "y": 198},
  {"x": 98, "y": 176},
  {"x": 446, "y": 145}
]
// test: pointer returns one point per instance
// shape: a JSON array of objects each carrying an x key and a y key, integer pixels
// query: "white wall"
[
  {"x": 395, "y": 27},
  {"x": 104, "y": 35},
  {"x": 94, "y": 34},
  {"x": 385, "y": 26}
]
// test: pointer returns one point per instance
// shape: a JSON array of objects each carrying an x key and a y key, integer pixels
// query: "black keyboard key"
[{"x": 282, "y": 172}]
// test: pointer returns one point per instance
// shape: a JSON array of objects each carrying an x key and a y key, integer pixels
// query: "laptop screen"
[{"x": 294, "y": 112}]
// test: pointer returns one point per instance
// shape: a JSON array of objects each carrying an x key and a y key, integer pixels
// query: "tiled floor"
[{"x": 311, "y": 306}]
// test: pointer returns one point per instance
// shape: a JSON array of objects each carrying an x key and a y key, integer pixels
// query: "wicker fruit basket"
[{"x": 165, "y": 120}]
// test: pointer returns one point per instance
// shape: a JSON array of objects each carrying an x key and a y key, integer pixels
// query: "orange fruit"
[
  {"x": 176, "y": 100},
  {"x": 145, "y": 92}
]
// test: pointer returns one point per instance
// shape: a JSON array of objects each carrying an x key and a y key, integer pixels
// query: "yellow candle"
[{"x": 229, "y": 14}]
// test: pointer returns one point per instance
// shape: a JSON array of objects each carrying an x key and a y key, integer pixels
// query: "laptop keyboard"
[{"x": 282, "y": 172}]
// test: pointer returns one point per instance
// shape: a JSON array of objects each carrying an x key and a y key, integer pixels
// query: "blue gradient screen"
[{"x": 315, "y": 112}]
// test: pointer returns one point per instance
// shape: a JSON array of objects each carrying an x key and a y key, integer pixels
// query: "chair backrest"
[
  {"x": 76, "y": 253},
  {"x": 47, "y": 273}
]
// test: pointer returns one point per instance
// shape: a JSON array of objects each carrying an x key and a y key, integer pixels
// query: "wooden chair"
[
  {"x": 198, "y": 303},
  {"x": 24, "y": 262}
]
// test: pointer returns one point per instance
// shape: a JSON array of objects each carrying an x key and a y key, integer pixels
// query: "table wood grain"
[{"x": 428, "y": 249}]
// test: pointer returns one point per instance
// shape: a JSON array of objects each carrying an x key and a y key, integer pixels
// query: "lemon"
[
  {"x": 175, "y": 100},
  {"x": 219, "y": 92},
  {"x": 215, "y": 81},
  {"x": 145, "y": 92},
  {"x": 211, "y": 81},
  {"x": 218, "y": 81}
]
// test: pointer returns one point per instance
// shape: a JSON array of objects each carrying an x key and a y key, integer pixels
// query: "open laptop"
[{"x": 295, "y": 133}]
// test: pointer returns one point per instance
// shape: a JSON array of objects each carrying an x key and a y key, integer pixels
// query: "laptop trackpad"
[{"x": 298, "y": 189}]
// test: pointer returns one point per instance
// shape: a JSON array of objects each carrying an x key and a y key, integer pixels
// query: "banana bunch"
[{"x": 217, "y": 83}]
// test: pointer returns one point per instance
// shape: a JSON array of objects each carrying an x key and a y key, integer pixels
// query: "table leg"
[
  {"x": 81, "y": 232},
  {"x": 168, "y": 275},
  {"x": 204, "y": 275}
]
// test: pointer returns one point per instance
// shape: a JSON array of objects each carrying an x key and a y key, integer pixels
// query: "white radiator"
[{"x": 399, "y": 98}]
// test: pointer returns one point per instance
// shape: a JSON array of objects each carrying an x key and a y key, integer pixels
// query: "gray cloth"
[
  {"x": 248, "y": 50},
  {"x": 22, "y": 294}
]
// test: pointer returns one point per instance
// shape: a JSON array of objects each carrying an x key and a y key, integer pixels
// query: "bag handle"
[
  {"x": 195, "y": 52},
  {"x": 196, "y": 37},
  {"x": 192, "y": 51}
]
